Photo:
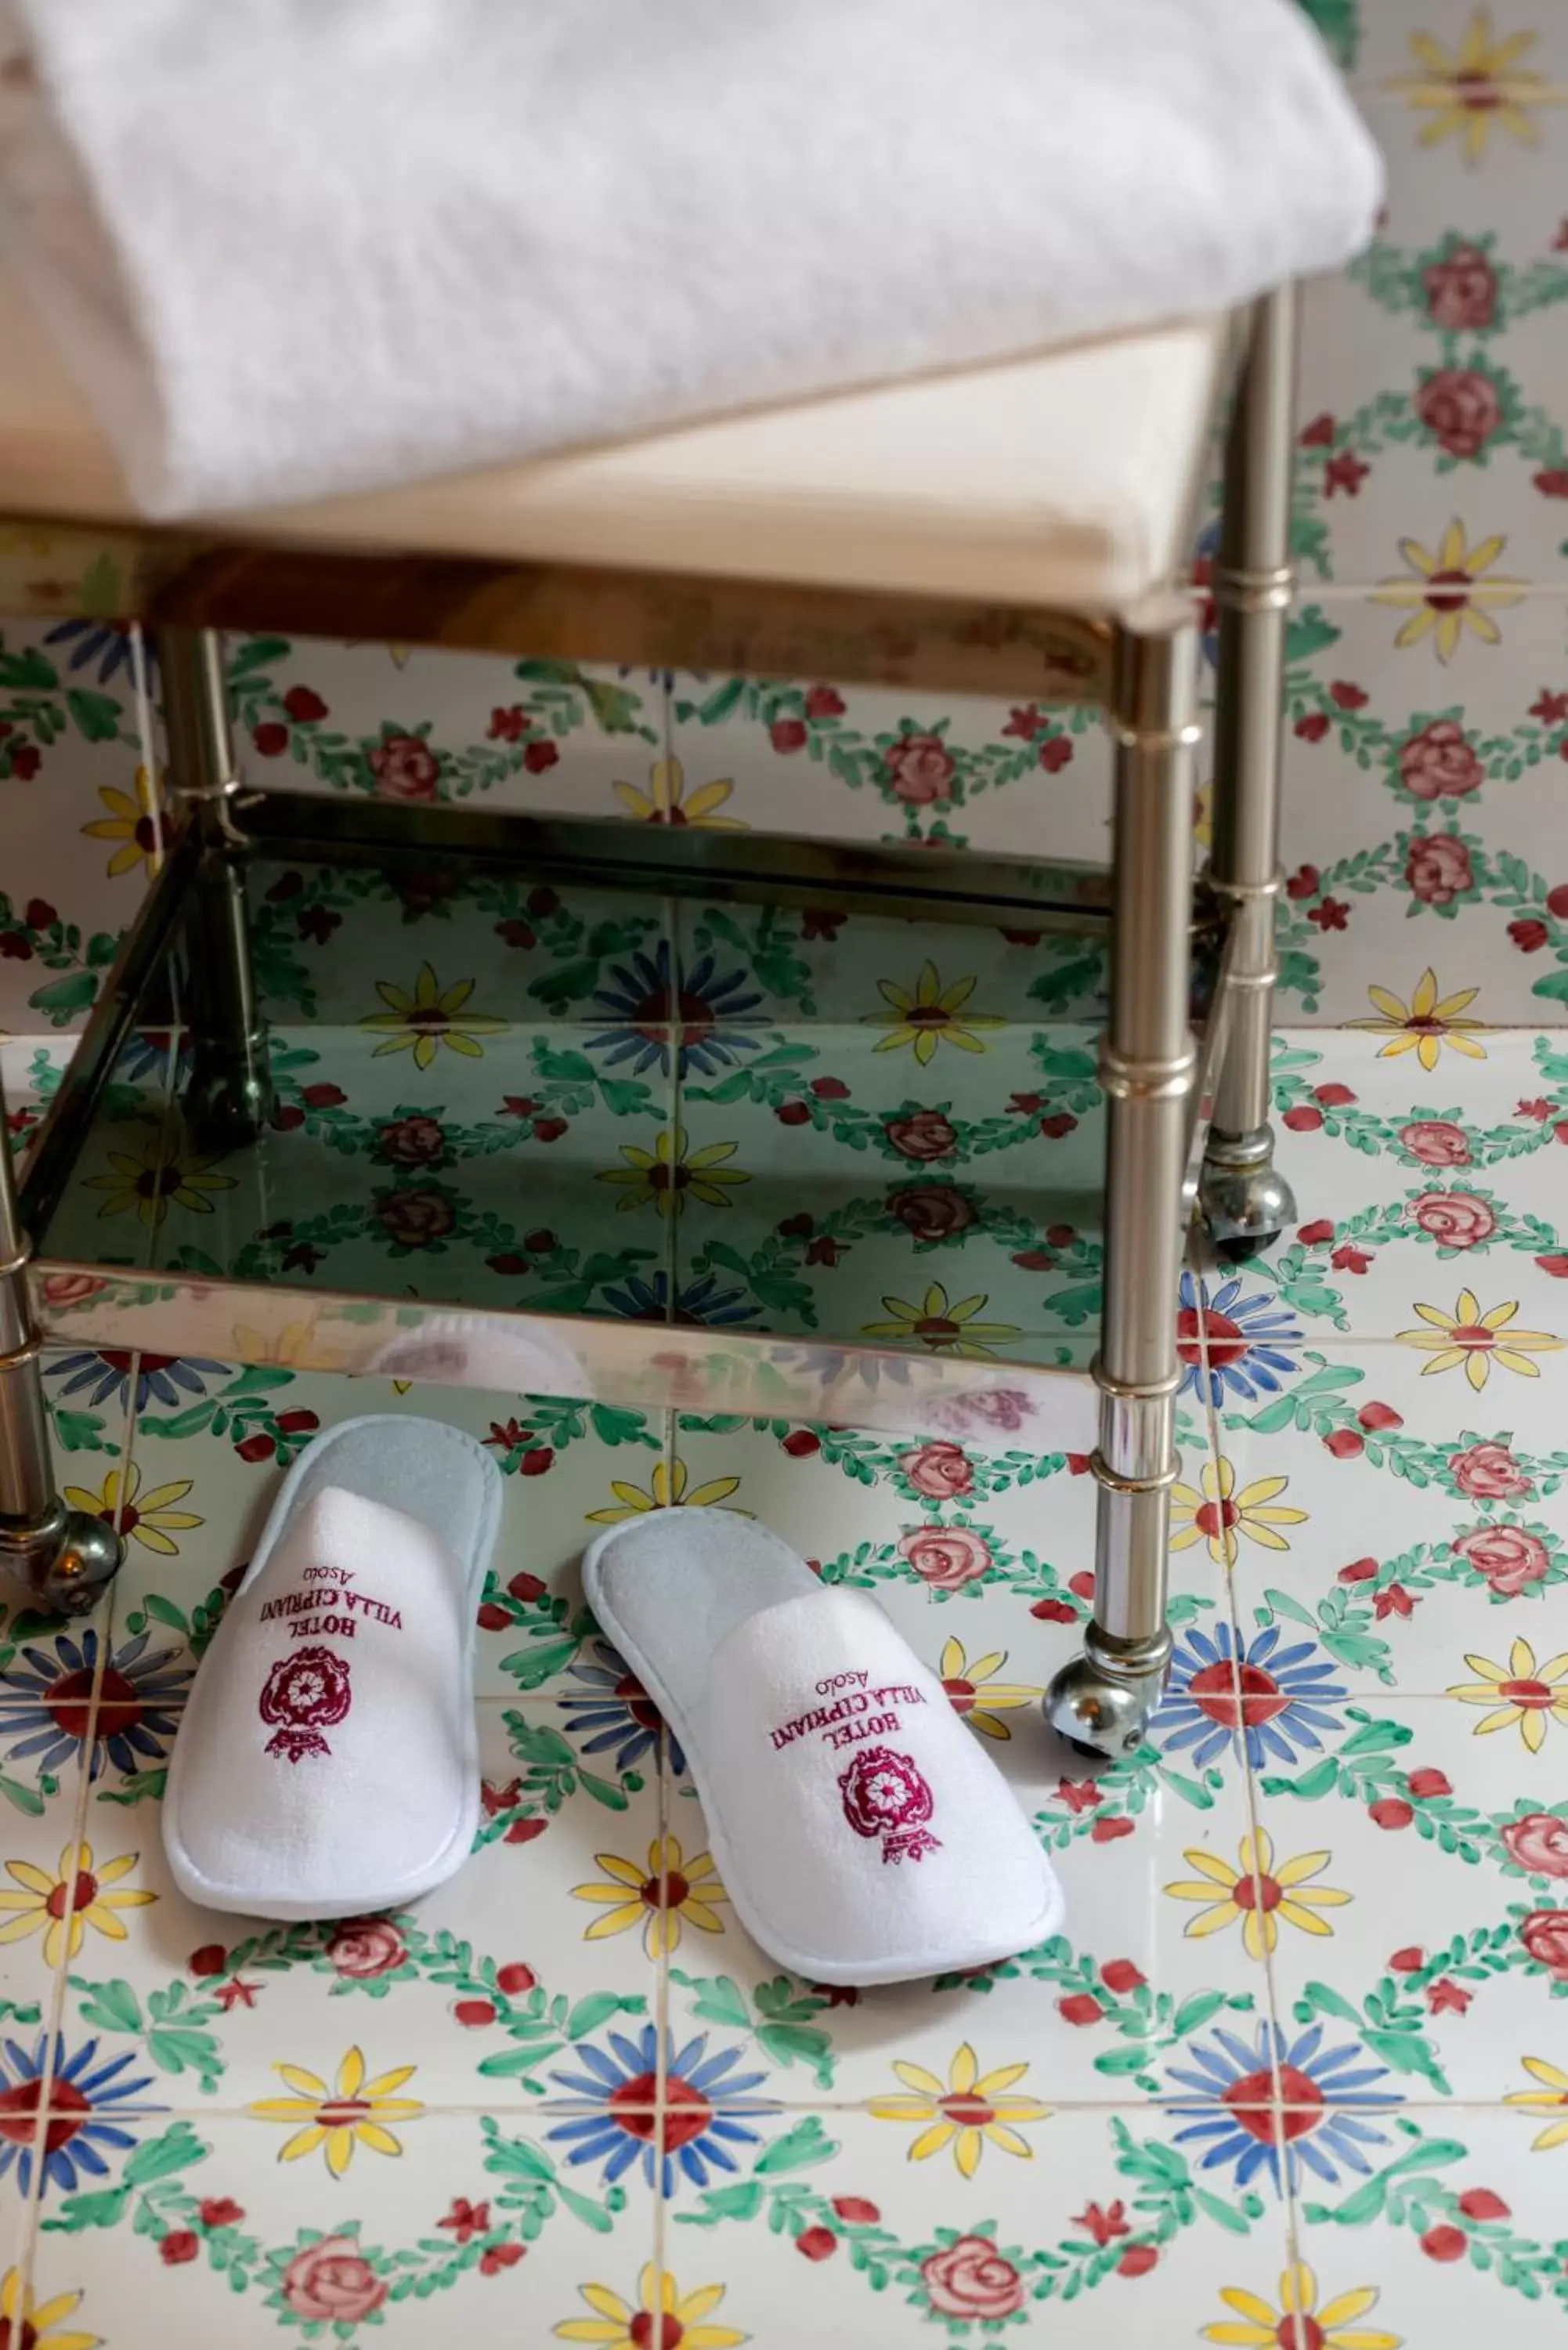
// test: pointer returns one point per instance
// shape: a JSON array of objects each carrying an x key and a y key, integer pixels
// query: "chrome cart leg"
[
  {"x": 64, "y": 1557},
  {"x": 1105, "y": 1697},
  {"x": 1245, "y": 1204},
  {"x": 228, "y": 1096}
]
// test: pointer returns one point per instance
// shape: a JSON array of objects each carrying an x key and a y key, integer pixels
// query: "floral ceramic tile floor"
[{"x": 1295, "y": 2071}]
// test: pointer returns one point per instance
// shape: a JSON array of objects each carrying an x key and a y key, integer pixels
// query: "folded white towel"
[{"x": 297, "y": 246}]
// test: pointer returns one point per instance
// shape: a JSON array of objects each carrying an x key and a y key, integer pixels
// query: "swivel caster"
[{"x": 1245, "y": 1204}]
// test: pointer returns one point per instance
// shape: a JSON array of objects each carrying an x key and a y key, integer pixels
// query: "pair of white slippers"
[{"x": 329, "y": 1766}]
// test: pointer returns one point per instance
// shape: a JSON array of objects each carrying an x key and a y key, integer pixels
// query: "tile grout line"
[{"x": 54, "y": 2008}]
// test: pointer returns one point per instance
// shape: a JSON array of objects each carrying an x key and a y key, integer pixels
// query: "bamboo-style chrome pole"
[
  {"x": 64, "y": 1556},
  {"x": 1105, "y": 1697},
  {"x": 228, "y": 1094},
  {"x": 1245, "y": 1204}
]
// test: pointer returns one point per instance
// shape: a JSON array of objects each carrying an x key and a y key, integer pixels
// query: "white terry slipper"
[
  {"x": 861, "y": 1833},
  {"x": 328, "y": 1763}
]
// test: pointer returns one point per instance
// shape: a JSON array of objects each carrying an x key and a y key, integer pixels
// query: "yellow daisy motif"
[
  {"x": 668, "y": 1489},
  {"x": 975, "y": 1690},
  {"x": 1329, "y": 2325},
  {"x": 946, "y": 1328},
  {"x": 132, "y": 823},
  {"x": 929, "y": 1015},
  {"x": 353, "y": 2112},
  {"x": 1525, "y": 1693},
  {"x": 155, "y": 1178},
  {"x": 295, "y": 1347},
  {"x": 1552, "y": 2093},
  {"x": 967, "y": 2110},
  {"x": 1478, "y": 1340},
  {"x": 1424, "y": 1025},
  {"x": 1448, "y": 592},
  {"x": 1258, "y": 1893},
  {"x": 669, "y": 1176},
  {"x": 666, "y": 800},
  {"x": 77, "y": 1886},
  {"x": 670, "y": 1893},
  {"x": 423, "y": 1022},
  {"x": 1219, "y": 1516},
  {"x": 1480, "y": 85},
  {"x": 663, "y": 2316},
  {"x": 147, "y": 1517},
  {"x": 39, "y": 2324}
]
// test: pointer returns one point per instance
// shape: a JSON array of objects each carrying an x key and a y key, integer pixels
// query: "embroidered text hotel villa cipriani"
[
  {"x": 883, "y": 1793},
  {"x": 309, "y": 1689}
]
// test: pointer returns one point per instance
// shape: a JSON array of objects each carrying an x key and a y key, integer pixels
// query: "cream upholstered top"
[{"x": 1062, "y": 480}]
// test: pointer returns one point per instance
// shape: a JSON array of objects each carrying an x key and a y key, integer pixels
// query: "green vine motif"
[
  {"x": 1408, "y": 2192},
  {"x": 39, "y": 709},
  {"x": 305, "y": 905},
  {"x": 778, "y": 2018},
  {"x": 1163, "y": 2196},
  {"x": 560, "y": 699},
  {"x": 1334, "y": 1110},
  {"x": 37, "y": 933},
  {"x": 1395, "y": 279},
  {"x": 154, "y": 2193},
  {"x": 1316, "y": 1406},
  {"x": 1342, "y": 1622},
  {"x": 1398, "y": 1220},
  {"x": 913, "y": 766},
  {"x": 243, "y": 1410}
]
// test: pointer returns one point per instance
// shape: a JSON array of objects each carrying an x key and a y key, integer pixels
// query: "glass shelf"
[{"x": 553, "y": 1136}]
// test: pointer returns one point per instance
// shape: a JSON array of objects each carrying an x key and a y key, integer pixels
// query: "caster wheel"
[{"x": 1243, "y": 1246}]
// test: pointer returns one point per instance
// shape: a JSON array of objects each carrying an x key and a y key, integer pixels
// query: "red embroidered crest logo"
[
  {"x": 305, "y": 1694},
  {"x": 885, "y": 1795}
]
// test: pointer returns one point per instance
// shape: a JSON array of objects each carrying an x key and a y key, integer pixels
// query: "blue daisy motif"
[
  {"x": 45, "y": 1703},
  {"x": 1241, "y": 1336},
  {"x": 107, "y": 642},
  {"x": 1319, "y": 2119},
  {"x": 80, "y": 2089},
  {"x": 614, "y": 1711},
  {"x": 701, "y": 1302},
  {"x": 167, "y": 1379},
  {"x": 646, "y": 1005},
  {"x": 708, "y": 2107},
  {"x": 1283, "y": 1698}
]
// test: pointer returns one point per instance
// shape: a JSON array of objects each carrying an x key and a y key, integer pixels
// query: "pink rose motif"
[
  {"x": 971, "y": 2279},
  {"x": 1453, "y": 1219},
  {"x": 1487, "y": 1472},
  {"x": 939, "y": 1472},
  {"x": 1436, "y": 1142},
  {"x": 1438, "y": 764},
  {"x": 946, "y": 1557},
  {"x": 332, "y": 2283},
  {"x": 1006, "y": 1408},
  {"x": 1437, "y": 869},
  {"x": 405, "y": 768},
  {"x": 364, "y": 1948},
  {"x": 932, "y": 1211},
  {"x": 1461, "y": 407},
  {"x": 920, "y": 769},
  {"x": 414, "y": 1141},
  {"x": 1511, "y": 1559},
  {"x": 62, "y": 1289},
  {"x": 1544, "y": 1934},
  {"x": 1539, "y": 1843},
  {"x": 925, "y": 1134},
  {"x": 1461, "y": 290}
]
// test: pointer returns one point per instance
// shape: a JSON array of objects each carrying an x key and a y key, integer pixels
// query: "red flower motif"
[
  {"x": 1333, "y": 914},
  {"x": 540, "y": 755},
  {"x": 1345, "y": 471},
  {"x": 1552, "y": 709},
  {"x": 941, "y": 1470},
  {"x": 179, "y": 2246},
  {"x": 219, "y": 2211},
  {"x": 1391, "y": 1812},
  {"x": 856, "y": 2212},
  {"x": 496, "y": 2257},
  {"x": 1302, "y": 1120},
  {"x": 509, "y": 725},
  {"x": 824, "y": 702},
  {"x": 1436, "y": 1142},
  {"x": 1427, "y": 1781},
  {"x": 1407, "y": 1961},
  {"x": 270, "y": 738},
  {"x": 787, "y": 734},
  {"x": 1438, "y": 762},
  {"x": 1304, "y": 882},
  {"x": 1480, "y": 2203},
  {"x": 1539, "y": 1109},
  {"x": 1319, "y": 434},
  {"x": 1437, "y": 869},
  {"x": 1510, "y": 1558},
  {"x": 1138, "y": 2261},
  {"x": 466, "y": 2220},
  {"x": 816, "y": 2243},
  {"x": 212, "y": 1959},
  {"x": 970, "y": 2279},
  {"x": 1347, "y": 696},
  {"x": 1310, "y": 1234},
  {"x": 1537, "y": 1843},
  {"x": 1120, "y": 1975},
  {"x": 1444, "y": 2243},
  {"x": 1102, "y": 2225},
  {"x": 1487, "y": 1472},
  {"x": 1446, "y": 1997},
  {"x": 1027, "y": 722},
  {"x": 1081, "y": 2008},
  {"x": 1110, "y": 1831},
  {"x": 303, "y": 706},
  {"x": 1312, "y": 727},
  {"x": 1333, "y": 1096},
  {"x": 1544, "y": 1934},
  {"x": 1395, "y": 1601},
  {"x": 1056, "y": 754},
  {"x": 1079, "y": 1794},
  {"x": 1347, "y": 1258},
  {"x": 1461, "y": 290},
  {"x": 1377, "y": 1417},
  {"x": 1529, "y": 935},
  {"x": 1345, "y": 1443},
  {"x": 920, "y": 768},
  {"x": 1360, "y": 1570},
  {"x": 1552, "y": 482}
]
